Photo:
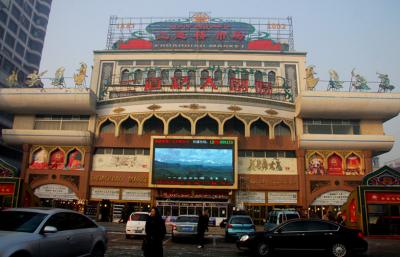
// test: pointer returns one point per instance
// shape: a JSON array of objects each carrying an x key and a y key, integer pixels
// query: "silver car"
[
  {"x": 41, "y": 232},
  {"x": 185, "y": 226}
]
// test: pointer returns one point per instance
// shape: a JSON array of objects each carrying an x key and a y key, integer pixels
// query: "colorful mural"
[
  {"x": 332, "y": 163},
  {"x": 61, "y": 158},
  {"x": 39, "y": 159},
  {"x": 74, "y": 160},
  {"x": 57, "y": 160}
]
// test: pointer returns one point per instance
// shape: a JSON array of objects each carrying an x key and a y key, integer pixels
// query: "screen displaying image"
[{"x": 193, "y": 162}]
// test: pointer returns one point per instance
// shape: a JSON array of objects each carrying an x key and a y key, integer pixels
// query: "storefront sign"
[
  {"x": 250, "y": 197},
  {"x": 55, "y": 191},
  {"x": 136, "y": 194},
  {"x": 282, "y": 197},
  {"x": 118, "y": 180},
  {"x": 337, "y": 198},
  {"x": 7, "y": 189},
  {"x": 104, "y": 193},
  {"x": 380, "y": 197},
  {"x": 128, "y": 163},
  {"x": 270, "y": 166}
]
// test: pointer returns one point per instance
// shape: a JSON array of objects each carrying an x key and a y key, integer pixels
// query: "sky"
[{"x": 336, "y": 34}]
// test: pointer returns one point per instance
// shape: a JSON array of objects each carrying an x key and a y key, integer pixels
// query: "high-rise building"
[{"x": 23, "y": 26}]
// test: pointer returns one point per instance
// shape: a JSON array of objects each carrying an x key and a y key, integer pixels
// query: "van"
[{"x": 278, "y": 216}]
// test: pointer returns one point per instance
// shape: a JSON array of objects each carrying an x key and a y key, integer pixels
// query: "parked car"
[
  {"x": 185, "y": 226},
  {"x": 135, "y": 226},
  {"x": 278, "y": 216},
  {"x": 306, "y": 235},
  {"x": 237, "y": 226},
  {"x": 48, "y": 232}
]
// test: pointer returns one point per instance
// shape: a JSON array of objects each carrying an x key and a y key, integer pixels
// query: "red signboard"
[
  {"x": 7, "y": 189},
  {"x": 379, "y": 197}
]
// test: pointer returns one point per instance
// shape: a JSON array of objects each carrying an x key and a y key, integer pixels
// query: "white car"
[
  {"x": 41, "y": 232},
  {"x": 135, "y": 226}
]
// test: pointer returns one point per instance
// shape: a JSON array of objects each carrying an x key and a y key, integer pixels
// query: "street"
[{"x": 119, "y": 246}]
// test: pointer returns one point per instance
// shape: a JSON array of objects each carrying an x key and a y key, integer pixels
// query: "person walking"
[
  {"x": 155, "y": 231},
  {"x": 202, "y": 227}
]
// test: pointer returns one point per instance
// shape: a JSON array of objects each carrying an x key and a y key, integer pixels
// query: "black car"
[{"x": 306, "y": 235}]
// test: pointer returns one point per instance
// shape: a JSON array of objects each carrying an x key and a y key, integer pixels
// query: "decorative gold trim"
[
  {"x": 118, "y": 110},
  {"x": 271, "y": 112},
  {"x": 154, "y": 107},
  {"x": 193, "y": 106},
  {"x": 234, "y": 108}
]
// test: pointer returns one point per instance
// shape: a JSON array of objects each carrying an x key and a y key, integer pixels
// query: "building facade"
[{"x": 198, "y": 113}]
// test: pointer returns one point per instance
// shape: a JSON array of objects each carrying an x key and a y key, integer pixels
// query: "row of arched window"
[
  {"x": 206, "y": 126},
  {"x": 138, "y": 76}
]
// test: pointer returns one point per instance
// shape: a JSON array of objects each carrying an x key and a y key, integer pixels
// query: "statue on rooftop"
[
  {"x": 358, "y": 82},
  {"x": 79, "y": 78},
  {"x": 58, "y": 80},
  {"x": 12, "y": 79},
  {"x": 384, "y": 84},
  {"x": 311, "y": 81},
  {"x": 334, "y": 82},
  {"x": 34, "y": 79}
]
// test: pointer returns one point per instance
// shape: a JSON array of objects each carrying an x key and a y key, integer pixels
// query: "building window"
[
  {"x": 37, "y": 33},
  {"x": 125, "y": 77},
  {"x": 138, "y": 76},
  {"x": 22, "y": 35},
  {"x": 282, "y": 130},
  {"x": 33, "y": 58},
  {"x": 16, "y": 12},
  {"x": 43, "y": 9},
  {"x": 203, "y": 76},
  {"x": 341, "y": 127},
  {"x": 2, "y": 31},
  {"x": 62, "y": 122},
  {"x": 35, "y": 45},
  {"x": 27, "y": 9},
  {"x": 271, "y": 77},
  {"x": 40, "y": 21},
  {"x": 258, "y": 76},
  {"x": 7, "y": 66},
  {"x": 235, "y": 63},
  {"x": 165, "y": 77},
  {"x": 10, "y": 41},
  {"x": 3, "y": 16},
  {"x": 25, "y": 22},
  {"x": 218, "y": 77}
]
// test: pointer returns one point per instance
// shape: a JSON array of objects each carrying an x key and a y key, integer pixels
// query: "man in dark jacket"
[{"x": 202, "y": 227}]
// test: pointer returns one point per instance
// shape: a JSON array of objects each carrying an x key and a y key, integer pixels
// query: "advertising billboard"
[{"x": 189, "y": 162}]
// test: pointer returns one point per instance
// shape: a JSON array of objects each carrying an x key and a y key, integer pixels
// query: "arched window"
[
  {"x": 192, "y": 77},
  {"x": 57, "y": 158},
  {"x": 107, "y": 127},
  {"x": 153, "y": 126},
  {"x": 207, "y": 126},
  {"x": 165, "y": 77},
  {"x": 218, "y": 77},
  {"x": 234, "y": 126},
  {"x": 129, "y": 126},
  {"x": 271, "y": 77},
  {"x": 244, "y": 75},
  {"x": 179, "y": 126},
  {"x": 259, "y": 128},
  {"x": 231, "y": 75},
  {"x": 40, "y": 159},
  {"x": 151, "y": 74},
  {"x": 258, "y": 76},
  {"x": 124, "y": 77},
  {"x": 282, "y": 130},
  {"x": 138, "y": 76},
  {"x": 204, "y": 76},
  {"x": 178, "y": 74},
  {"x": 74, "y": 160}
]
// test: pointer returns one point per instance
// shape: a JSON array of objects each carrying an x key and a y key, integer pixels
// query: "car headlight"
[{"x": 244, "y": 238}]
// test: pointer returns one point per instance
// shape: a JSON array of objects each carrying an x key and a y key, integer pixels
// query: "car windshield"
[
  {"x": 292, "y": 216},
  {"x": 20, "y": 221},
  {"x": 193, "y": 219},
  {"x": 241, "y": 220},
  {"x": 139, "y": 217}
]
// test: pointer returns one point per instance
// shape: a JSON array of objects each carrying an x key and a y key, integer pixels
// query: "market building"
[{"x": 197, "y": 113}]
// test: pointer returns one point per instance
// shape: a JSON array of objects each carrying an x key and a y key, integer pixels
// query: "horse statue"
[
  {"x": 80, "y": 77},
  {"x": 384, "y": 84},
  {"x": 359, "y": 83},
  {"x": 58, "y": 80},
  {"x": 12, "y": 79},
  {"x": 34, "y": 79},
  {"x": 334, "y": 83},
  {"x": 311, "y": 81}
]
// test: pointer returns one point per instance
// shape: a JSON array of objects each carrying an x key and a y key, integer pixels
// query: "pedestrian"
[
  {"x": 202, "y": 227},
  {"x": 155, "y": 232},
  {"x": 340, "y": 219}
]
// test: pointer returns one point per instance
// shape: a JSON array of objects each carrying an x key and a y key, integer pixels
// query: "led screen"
[{"x": 193, "y": 162}]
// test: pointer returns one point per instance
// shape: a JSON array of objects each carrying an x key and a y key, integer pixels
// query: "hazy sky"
[{"x": 339, "y": 34}]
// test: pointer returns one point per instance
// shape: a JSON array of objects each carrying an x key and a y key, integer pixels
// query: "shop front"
[
  {"x": 9, "y": 192},
  {"x": 375, "y": 206}
]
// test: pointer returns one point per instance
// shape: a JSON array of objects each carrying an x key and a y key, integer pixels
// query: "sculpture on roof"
[
  {"x": 311, "y": 81},
  {"x": 80, "y": 77},
  {"x": 34, "y": 79},
  {"x": 384, "y": 84},
  {"x": 58, "y": 80},
  {"x": 358, "y": 82},
  {"x": 334, "y": 82},
  {"x": 12, "y": 79}
]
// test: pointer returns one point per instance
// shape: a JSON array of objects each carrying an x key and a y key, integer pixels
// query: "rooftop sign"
[{"x": 201, "y": 31}]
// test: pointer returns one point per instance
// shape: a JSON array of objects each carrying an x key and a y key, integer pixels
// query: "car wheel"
[
  {"x": 339, "y": 250},
  {"x": 98, "y": 251},
  {"x": 263, "y": 249}
]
